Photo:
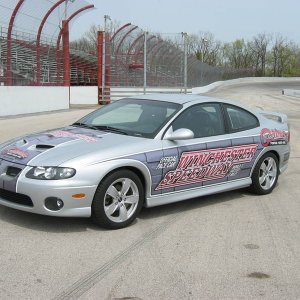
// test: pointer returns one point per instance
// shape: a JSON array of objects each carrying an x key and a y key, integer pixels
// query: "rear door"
[{"x": 244, "y": 129}]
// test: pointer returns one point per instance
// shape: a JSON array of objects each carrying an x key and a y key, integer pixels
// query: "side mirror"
[{"x": 179, "y": 134}]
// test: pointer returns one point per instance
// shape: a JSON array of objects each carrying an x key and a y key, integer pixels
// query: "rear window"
[{"x": 240, "y": 119}]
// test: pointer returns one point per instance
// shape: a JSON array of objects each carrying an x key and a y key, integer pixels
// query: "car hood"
[{"x": 57, "y": 146}]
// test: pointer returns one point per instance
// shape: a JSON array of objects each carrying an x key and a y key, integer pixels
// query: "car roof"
[
  {"x": 188, "y": 98},
  {"x": 175, "y": 98}
]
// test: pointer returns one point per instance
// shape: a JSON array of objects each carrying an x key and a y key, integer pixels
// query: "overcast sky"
[{"x": 226, "y": 19}]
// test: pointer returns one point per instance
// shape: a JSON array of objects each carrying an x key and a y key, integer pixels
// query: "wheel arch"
[
  {"x": 263, "y": 152},
  {"x": 136, "y": 167}
]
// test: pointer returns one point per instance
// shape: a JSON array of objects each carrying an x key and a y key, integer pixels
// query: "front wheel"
[
  {"x": 265, "y": 174},
  {"x": 118, "y": 200}
]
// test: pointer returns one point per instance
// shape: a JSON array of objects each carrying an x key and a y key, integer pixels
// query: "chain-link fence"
[
  {"x": 35, "y": 50},
  {"x": 31, "y": 40}
]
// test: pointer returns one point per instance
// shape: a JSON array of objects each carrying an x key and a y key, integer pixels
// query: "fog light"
[{"x": 54, "y": 204}]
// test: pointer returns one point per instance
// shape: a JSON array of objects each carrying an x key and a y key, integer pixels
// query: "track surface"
[{"x": 233, "y": 245}]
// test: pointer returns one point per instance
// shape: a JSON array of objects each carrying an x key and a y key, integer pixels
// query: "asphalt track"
[{"x": 233, "y": 245}]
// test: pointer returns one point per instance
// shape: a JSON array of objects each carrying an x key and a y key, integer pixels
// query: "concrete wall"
[
  {"x": 246, "y": 80},
  {"x": 89, "y": 95},
  {"x": 293, "y": 93},
  {"x": 16, "y": 100},
  {"x": 84, "y": 95}
]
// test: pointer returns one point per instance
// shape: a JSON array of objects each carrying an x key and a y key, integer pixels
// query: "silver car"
[{"x": 144, "y": 151}]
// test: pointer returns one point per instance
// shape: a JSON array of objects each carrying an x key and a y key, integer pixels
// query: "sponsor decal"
[
  {"x": 234, "y": 170},
  {"x": 273, "y": 137},
  {"x": 167, "y": 162},
  {"x": 204, "y": 165},
  {"x": 67, "y": 134},
  {"x": 15, "y": 152}
]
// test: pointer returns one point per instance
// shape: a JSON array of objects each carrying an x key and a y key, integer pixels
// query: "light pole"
[
  {"x": 66, "y": 8},
  {"x": 204, "y": 41}
]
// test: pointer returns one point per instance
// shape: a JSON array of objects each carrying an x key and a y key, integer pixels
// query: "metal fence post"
[
  {"x": 145, "y": 61},
  {"x": 185, "y": 36}
]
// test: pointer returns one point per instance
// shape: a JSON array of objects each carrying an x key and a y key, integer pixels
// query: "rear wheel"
[
  {"x": 118, "y": 200},
  {"x": 265, "y": 174}
]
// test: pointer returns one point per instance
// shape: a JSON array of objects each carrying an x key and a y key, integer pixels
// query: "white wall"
[
  {"x": 16, "y": 100},
  {"x": 293, "y": 93},
  {"x": 89, "y": 95},
  {"x": 84, "y": 95},
  {"x": 246, "y": 80}
]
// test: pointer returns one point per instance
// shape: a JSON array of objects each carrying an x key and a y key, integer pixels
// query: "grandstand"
[{"x": 35, "y": 51}]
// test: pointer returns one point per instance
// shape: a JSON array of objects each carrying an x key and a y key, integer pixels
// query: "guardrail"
[{"x": 293, "y": 93}]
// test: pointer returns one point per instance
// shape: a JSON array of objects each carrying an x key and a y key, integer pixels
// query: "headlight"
[{"x": 50, "y": 173}]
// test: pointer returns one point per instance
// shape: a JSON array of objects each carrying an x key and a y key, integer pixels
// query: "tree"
[
  {"x": 206, "y": 48},
  {"x": 259, "y": 47},
  {"x": 88, "y": 43},
  {"x": 238, "y": 54},
  {"x": 282, "y": 57}
]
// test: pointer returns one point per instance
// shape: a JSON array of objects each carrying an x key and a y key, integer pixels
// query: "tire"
[
  {"x": 265, "y": 174},
  {"x": 118, "y": 200}
]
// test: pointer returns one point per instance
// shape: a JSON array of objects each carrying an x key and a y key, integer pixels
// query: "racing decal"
[
  {"x": 273, "y": 137},
  {"x": 67, "y": 134},
  {"x": 9, "y": 183},
  {"x": 15, "y": 152},
  {"x": 234, "y": 170},
  {"x": 205, "y": 165},
  {"x": 167, "y": 162}
]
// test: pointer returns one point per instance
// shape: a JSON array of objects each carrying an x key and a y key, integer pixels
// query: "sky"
[{"x": 226, "y": 19}]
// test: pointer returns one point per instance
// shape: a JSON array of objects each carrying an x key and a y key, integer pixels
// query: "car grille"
[{"x": 15, "y": 198}]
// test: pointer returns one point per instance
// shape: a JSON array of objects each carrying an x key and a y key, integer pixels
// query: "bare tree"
[
  {"x": 259, "y": 47},
  {"x": 282, "y": 56},
  {"x": 205, "y": 47},
  {"x": 88, "y": 42}
]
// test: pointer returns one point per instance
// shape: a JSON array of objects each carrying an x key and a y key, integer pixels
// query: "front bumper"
[{"x": 39, "y": 190}]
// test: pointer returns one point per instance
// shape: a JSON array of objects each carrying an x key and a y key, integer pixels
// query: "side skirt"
[{"x": 197, "y": 192}]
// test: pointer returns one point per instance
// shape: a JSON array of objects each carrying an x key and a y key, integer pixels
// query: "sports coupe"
[{"x": 144, "y": 151}]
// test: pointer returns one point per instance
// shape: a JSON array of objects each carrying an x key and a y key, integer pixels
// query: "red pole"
[
  {"x": 38, "y": 41},
  {"x": 9, "y": 31},
  {"x": 120, "y": 29},
  {"x": 107, "y": 67},
  {"x": 59, "y": 39},
  {"x": 66, "y": 53},
  {"x": 100, "y": 62}
]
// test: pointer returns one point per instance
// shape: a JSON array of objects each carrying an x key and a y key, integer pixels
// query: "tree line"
[{"x": 263, "y": 55}]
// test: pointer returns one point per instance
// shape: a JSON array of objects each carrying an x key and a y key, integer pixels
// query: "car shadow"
[
  {"x": 45, "y": 223},
  {"x": 194, "y": 203},
  {"x": 65, "y": 225}
]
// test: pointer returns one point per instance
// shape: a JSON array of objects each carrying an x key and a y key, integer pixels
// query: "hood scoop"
[{"x": 41, "y": 147}]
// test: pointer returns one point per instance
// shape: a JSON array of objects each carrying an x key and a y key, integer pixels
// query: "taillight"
[{"x": 289, "y": 136}]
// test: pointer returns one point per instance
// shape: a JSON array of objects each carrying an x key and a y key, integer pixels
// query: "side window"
[
  {"x": 240, "y": 119},
  {"x": 203, "y": 119}
]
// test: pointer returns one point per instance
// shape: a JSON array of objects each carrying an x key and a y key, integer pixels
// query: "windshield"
[{"x": 134, "y": 117}]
